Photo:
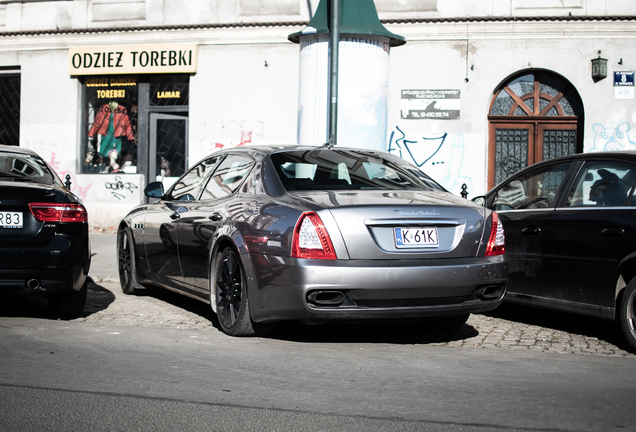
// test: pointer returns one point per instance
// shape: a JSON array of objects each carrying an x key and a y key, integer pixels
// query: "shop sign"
[
  {"x": 430, "y": 104},
  {"x": 110, "y": 60}
]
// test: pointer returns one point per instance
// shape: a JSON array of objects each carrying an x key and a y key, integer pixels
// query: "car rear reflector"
[
  {"x": 311, "y": 239},
  {"x": 497, "y": 241},
  {"x": 56, "y": 212}
]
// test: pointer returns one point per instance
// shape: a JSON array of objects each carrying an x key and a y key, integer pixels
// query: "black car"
[
  {"x": 570, "y": 227},
  {"x": 265, "y": 234},
  {"x": 44, "y": 244}
]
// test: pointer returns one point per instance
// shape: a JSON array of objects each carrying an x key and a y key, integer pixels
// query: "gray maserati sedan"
[{"x": 316, "y": 234}]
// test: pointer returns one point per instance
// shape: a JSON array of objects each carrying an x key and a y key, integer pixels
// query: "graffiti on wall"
[
  {"x": 231, "y": 134},
  {"x": 612, "y": 138},
  {"x": 412, "y": 149},
  {"x": 118, "y": 188},
  {"x": 443, "y": 158}
]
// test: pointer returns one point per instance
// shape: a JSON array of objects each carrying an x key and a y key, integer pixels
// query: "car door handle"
[
  {"x": 530, "y": 231},
  {"x": 175, "y": 215},
  {"x": 216, "y": 217},
  {"x": 612, "y": 232}
]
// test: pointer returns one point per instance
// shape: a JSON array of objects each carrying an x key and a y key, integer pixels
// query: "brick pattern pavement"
[{"x": 106, "y": 304}]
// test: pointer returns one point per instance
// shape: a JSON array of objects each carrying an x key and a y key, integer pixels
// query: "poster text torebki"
[{"x": 133, "y": 59}]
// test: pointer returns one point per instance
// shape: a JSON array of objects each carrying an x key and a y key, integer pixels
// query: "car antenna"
[{"x": 329, "y": 144}]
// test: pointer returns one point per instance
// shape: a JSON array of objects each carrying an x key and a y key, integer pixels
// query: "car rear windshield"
[
  {"x": 25, "y": 167},
  {"x": 332, "y": 169}
]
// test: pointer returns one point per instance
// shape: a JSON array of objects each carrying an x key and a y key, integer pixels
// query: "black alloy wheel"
[
  {"x": 627, "y": 314},
  {"x": 231, "y": 296},
  {"x": 126, "y": 256}
]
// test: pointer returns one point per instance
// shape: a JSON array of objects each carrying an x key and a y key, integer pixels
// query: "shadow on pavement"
[
  {"x": 182, "y": 302},
  {"x": 294, "y": 331},
  {"x": 370, "y": 332},
  {"x": 98, "y": 298}
]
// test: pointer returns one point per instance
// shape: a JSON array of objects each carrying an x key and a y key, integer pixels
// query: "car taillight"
[
  {"x": 311, "y": 239},
  {"x": 497, "y": 241},
  {"x": 55, "y": 212}
]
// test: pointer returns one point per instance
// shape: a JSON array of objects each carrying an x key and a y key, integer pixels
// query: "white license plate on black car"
[
  {"x": 416, "y": 237},
  {"x": 10, "y": 219}
]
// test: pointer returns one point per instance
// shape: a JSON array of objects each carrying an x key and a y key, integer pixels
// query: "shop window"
[
  {"x": 10, "y": 109},
  {"x": 169, "y": 91},
  {"x": 111, "y": 141}
]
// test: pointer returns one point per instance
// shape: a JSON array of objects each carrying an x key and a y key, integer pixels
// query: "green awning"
[{"x": 356, "y": 17}]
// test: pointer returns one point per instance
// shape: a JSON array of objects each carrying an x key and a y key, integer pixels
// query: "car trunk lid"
[
  {"x": 17, "y": 223},
  {"x": 403, "y": 224}
]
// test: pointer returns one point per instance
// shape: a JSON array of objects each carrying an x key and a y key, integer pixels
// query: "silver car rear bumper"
[{"x": 287, "y": 288}]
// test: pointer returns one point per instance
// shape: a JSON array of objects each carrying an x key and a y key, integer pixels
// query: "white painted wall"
[{"x": 246, "y": 86}]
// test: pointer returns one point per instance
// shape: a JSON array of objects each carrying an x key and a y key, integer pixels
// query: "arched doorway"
[{"x": 534, "y": 115}]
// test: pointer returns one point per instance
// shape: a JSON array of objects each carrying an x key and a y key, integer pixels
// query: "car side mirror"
[
  {"x": 154, "y": 190},
  {"x": 481, "y": 200}
]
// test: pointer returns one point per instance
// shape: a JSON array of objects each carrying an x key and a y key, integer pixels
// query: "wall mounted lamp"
[{"x": 599, "y": 68}]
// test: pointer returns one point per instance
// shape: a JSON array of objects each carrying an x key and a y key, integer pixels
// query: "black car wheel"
[
  {"x": 232, "y": 306},
  {"x": 70, "y": 304},
  {"x": 126, "y": 253},
  {"x": 627, "y": 313}
]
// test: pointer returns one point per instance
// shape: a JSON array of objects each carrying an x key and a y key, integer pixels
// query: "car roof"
[
  {"x": 16, "y": 150},
  {"x": 629, "y": 155},
  {"x": 615, "y": 154},
  {"x": 276, "y": 148}
]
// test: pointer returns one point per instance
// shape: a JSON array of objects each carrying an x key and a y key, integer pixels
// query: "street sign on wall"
[{"x": 624, "y": 84}]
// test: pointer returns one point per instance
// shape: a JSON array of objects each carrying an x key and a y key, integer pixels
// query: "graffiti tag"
[{"x": 119, "y": 185}]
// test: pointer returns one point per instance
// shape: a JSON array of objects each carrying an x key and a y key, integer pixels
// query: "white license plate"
[
  {"x": 416, "y": 237},
  {"x": 10, "y": 219}
]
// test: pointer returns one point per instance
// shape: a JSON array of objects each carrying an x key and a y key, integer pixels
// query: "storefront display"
[{"x": 111, "y": 145}]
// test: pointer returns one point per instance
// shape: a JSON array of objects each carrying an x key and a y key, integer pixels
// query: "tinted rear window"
[
  {"x": 331, "y": 169},
  {"x": 24, "y": 167}
]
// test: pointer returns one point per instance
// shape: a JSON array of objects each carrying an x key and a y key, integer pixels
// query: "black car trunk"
[{"x": 17, "y": 223}]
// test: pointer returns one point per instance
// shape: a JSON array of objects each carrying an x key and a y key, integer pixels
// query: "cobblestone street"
[{"x": 508, "y": 328}]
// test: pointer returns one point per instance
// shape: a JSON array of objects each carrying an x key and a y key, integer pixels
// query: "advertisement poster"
[{"x": 430, "y": 104}]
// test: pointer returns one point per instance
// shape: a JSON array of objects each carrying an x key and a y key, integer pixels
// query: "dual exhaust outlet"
[{"x": 336, "y": 298}]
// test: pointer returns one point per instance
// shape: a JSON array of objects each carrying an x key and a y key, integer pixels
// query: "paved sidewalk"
[
  {"x": 507, "y": 328},
  {"x": 104, "y": 257}
]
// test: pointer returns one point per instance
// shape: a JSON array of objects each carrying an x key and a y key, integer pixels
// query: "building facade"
[{"x": 118, "y": 93}]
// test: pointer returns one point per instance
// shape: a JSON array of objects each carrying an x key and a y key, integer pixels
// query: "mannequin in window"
[{"x": 111, "y": 125}]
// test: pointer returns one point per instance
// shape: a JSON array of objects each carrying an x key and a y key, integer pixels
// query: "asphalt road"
[
  {"x": 61, "y": 375},
  {"x": 158, "y": 362}
]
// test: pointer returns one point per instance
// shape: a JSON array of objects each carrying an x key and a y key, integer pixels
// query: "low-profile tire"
[
  {"x": 70, "y": 304},
  {"x": 627, "y": 313},
  {"x": 230, "y": 295},
  {"x": 126, "y": 255}
]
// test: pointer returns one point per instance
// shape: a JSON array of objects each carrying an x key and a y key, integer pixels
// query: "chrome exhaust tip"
[
  {"x": 490, "y": 292},
  {"x": 33, "y": 283},
  {"x": 326, "y": 298}
]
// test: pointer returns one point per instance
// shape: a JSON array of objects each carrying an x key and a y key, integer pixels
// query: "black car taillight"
[
  {"x": 55, "y": 212},
  {"x": 497, "y": 242}
]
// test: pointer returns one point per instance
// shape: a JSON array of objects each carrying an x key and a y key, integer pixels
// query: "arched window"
[{"x": 535, "y": 115}]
